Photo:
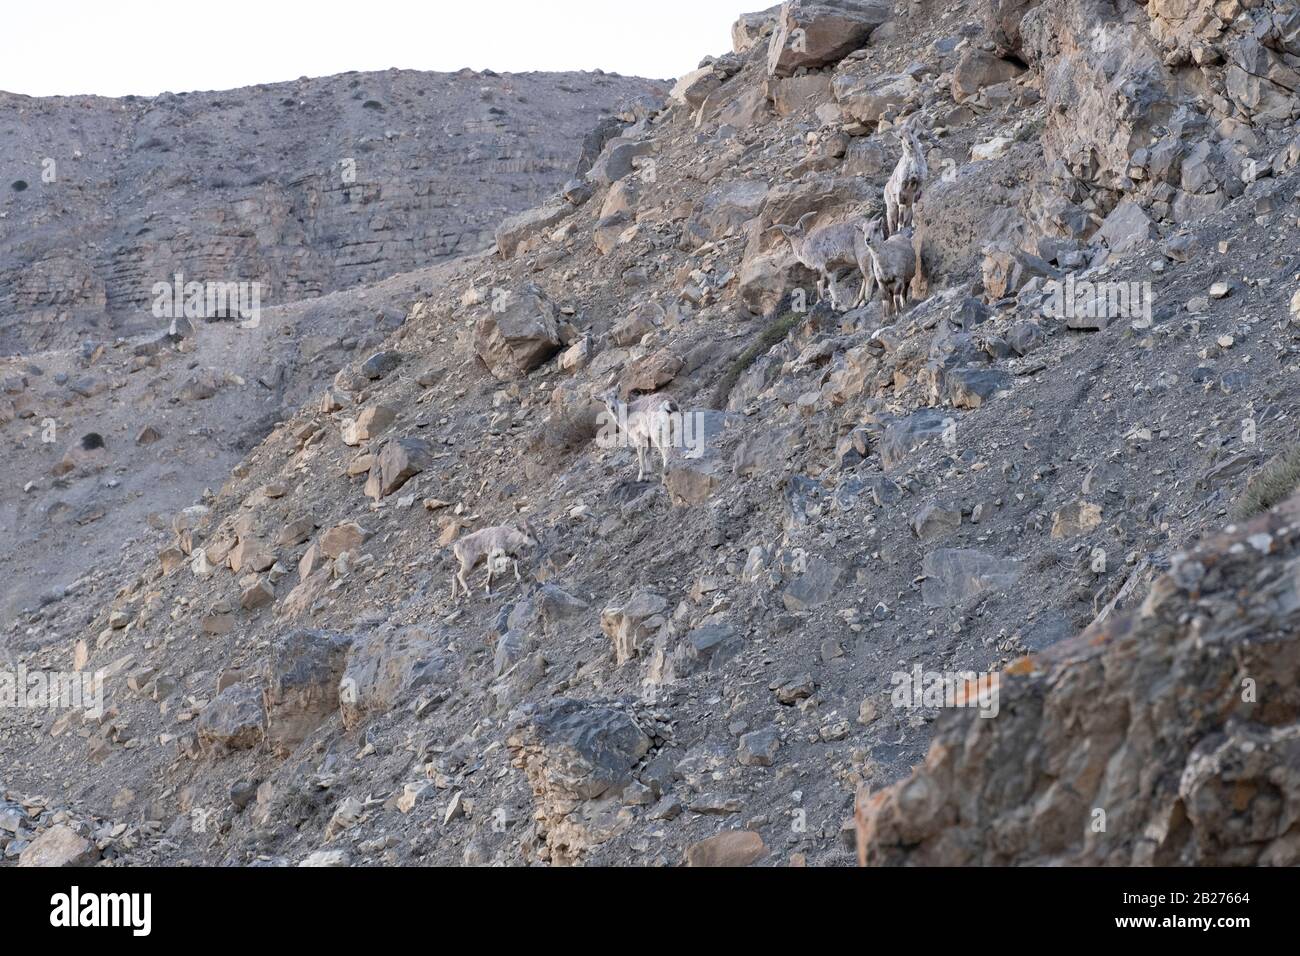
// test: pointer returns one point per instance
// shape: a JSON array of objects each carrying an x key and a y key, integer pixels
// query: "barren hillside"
[
  {"x": 307, "y": 187},
  {"x": 716, "y": 664}
]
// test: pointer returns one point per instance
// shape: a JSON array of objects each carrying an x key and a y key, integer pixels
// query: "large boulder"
[
  {"x": 694, "y": 88},
  {"x": 747, "y": 108},
  {"x": 302, "y": 686},
  {"x": 367, "y": 425},
  {"x": 57, "y": 847},
  {"x": 345, "y": 536},
  {"x": 1126, "y": 228},
  {"x": 905, "y": 435},
  {"x": 726, "y": 208},
  {"x": 730, "y": 848},
  {"x": 1006, "y": 270},
  {"x": 866, "y": 98},
  {"x": 815, "y": 585},
  {"x": 619, "y": 159},
  {"x": 955, "y": 575},
  {"x": 764, "y": 279},
  {"x": 957, "y": 219},
  {"x": 383, "y": 668},
  {"x": 401, "y": 460},
  {"x": 630, "y": 626},
  {"x": 977, "y": 69},
  {"x": 1002, "y": 20},
  {"x": 650, "y": 373},
  {"x": 816, "y": 33},
  {"x": 579, "y": 757},
  {"x": 751, "y": 28},
  {"x": 233, "y": 720},
  {"x": 526, "y": 226},
  {"x": 518, "y": 334},
  {"x": 794, "y": 93}
]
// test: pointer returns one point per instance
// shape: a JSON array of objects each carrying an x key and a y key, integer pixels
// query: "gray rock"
[
  {"x": 814, "y": 33},
  {"x": 815, "y": 586},
  {"x": 518, "y": 335},
  {"x": 1126, "y": 228},
  {"x": 575, "y": 753},
  {"x": 954, "y": 576},
  {"x": 400, "y": 460},
  {"x": 234, "y": 719},
  {"x": 383, "y": 670},
  {"x": 380, "y": 364},
  {"x": 59, "y": 846},
  {"x": 935, "y": 521},
  {"x": 302, "y": 686},
  {"x": 758, "y": 748}
]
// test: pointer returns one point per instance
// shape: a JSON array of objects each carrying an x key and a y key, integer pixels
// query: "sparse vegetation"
[
  {"x": 775, "y": 332},
  {"x": 1274, "y": 484}
]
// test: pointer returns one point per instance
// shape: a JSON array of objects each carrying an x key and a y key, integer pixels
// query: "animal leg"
[
  {"x": 640, "y": 462},
  {"x": 828, "y": 278},
  {"x": 516, "y": 564},
  {"x": 868, "y": 286}
]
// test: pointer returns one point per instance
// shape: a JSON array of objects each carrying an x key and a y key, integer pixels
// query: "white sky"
[{"x": 115, "y": 47}]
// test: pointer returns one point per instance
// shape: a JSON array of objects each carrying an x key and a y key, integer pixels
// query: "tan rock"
[
  {"x": 1078, "y": 517},
  {"x": 347, "y": 536},
  {"x": 368, "y": 424},
  {"x": 257, "y": 595},
  {"x": 59, "y": 846},
  {"x": 731, "y": 848}
]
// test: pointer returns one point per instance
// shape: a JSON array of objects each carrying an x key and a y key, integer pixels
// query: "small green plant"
[
  {"x": 1274, "y": 484},
  {"x": 774, "y": 332}
]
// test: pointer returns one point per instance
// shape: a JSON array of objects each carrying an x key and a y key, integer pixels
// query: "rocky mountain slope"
[
  {"x": 318, "y": 190},
  {"x": 707, "y": 669},
  {"x": 307, "y": 187}
]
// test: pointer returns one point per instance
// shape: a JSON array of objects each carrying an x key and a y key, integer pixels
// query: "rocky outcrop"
[
  {"x": 234, "y": 720},
  {"x": 814, "y": 33},
  {"x": 1164, "y": 737},
  {"x": 578, "y": 757},
  {"x": 1119, "y": 123},
  {"x": 302, "y": 686},
  {"x": 383, "y": 669}
]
